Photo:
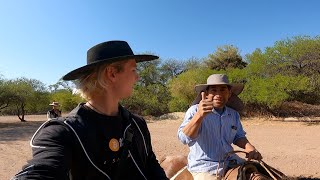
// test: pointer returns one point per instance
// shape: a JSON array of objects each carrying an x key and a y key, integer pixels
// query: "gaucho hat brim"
[
  {"x": 107, "y": 53},
  {"x": 220, "y": 79},
  {"x": 77, "y": 73}
]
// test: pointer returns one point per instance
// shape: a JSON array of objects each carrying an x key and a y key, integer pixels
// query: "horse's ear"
[{"x": 162, "y": 159}]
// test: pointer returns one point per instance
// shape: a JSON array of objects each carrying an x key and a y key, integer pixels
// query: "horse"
[{"x": 175, "y": 169}]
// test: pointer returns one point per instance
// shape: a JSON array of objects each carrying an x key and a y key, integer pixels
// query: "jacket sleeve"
[
  {"x": 51, "y": 150},
  {"x": 156, "y": 171}
]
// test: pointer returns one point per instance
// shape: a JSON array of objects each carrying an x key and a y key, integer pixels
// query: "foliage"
[
  {"x": 23, "y": 93},
  {"x": 298, "y": 56},
  {"x": 170, "y": 69},
  {"x": 182, "y": 88},
  {"x": 286, "y": 71},
  {"x": 38, "y": 104},
  {"x": 5, "y": 94},
  {"x": 194, "y": 63},
  {"x": 67, "y": 85},
  {"x": 40, "y": 95},
  {"x": 273, "y": 91},
  {"x": 268, "y": 92},
  {"x": 149, "y": 73},
  {"x": 149, "y": 100},
  {"x": 225, "y": 57},
  {"x": 67, "y": 99},
  {"x": 257, "y": 64},
  {"x": 151, "y": 95}
]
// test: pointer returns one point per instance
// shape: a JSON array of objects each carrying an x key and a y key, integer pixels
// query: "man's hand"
[
  {"x": 253, "y": 154},
  {"x": 205, "y": 105},
  {"x": 251, "y": 151}
]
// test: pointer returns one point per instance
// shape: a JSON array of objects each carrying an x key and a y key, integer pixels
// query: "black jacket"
[{"x": 69, "y": 148}]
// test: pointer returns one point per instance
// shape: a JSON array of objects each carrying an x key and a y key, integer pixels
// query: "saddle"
[{"x": 251, "y": 170}]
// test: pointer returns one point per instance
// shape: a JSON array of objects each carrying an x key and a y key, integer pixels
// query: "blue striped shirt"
[{"x": 215, "y": 136}]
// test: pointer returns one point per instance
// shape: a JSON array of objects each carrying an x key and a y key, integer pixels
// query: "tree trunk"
[{"x": 22, "y": 113}]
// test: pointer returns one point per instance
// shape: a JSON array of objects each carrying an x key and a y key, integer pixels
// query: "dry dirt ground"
[{"x": 293, "y": 147}]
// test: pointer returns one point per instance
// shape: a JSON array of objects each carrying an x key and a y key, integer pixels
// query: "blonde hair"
[{"x": 95, "y": 82}]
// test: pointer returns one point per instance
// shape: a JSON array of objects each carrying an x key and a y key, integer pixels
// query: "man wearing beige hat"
[
  {"x": 211, "y": 125},
  {"x": 55, "y": 111}
]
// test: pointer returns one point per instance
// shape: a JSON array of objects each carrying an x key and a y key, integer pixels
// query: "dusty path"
[{"x": 293, "y": 147}]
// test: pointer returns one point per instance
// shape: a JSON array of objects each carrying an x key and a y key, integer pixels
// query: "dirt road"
[{"x": 292, "y": 147}]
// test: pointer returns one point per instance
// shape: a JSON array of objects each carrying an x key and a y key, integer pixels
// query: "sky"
[{"x": 44, "y": 40}]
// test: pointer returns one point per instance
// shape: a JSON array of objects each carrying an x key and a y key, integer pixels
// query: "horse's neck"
[{"x": 178, "y": 173}]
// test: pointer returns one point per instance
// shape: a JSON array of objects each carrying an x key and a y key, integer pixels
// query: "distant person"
[
  {"x": 210, "y": 127},
  {"x": 99, "y": 139},
  {"x": 55, "y": 111}
]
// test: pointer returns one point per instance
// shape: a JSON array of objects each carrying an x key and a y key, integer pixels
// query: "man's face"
[
  {"x": 219, "y": 94},
  {"x": 126, "y": 79}
]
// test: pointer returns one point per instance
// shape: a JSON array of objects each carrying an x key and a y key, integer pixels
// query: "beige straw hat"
[
  {"x": 54, "y": 103},
  {"x": 220, "y": 79}
]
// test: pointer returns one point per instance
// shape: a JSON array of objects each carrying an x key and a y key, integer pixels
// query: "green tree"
[
  {"x": 150, "y": 100},
  {"x": 194, "y": 63},
  {"x": 6, "y": 96},
  {"x": 67, "y": 99},
  {"x": 257, "y": 64},
  {"x": 61, "y": 84},
  {"x": 271, "y": 92},
  {"x": 170, "y": 69},
  {"x": 293, "y": 57},
  {"x": 39, "y": 97},
  {"x": 182, "y": 88},
  {"x": 149, "y": 72},
  {"x": 23, "y": 92},
  {"x": 150, "y": 95},
  {"x": 225, "y": 57},
  {"x": 26, "y": 96},
  {"x": 299, "y": 55}
]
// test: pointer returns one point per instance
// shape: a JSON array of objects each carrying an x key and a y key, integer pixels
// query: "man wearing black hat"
[{"x": 99, "y": 139}]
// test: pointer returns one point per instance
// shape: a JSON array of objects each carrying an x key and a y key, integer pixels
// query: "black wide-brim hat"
[{"x": 107, "y": 53}]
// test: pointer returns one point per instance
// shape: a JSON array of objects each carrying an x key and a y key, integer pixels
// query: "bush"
[
  {"x": 67, "y": 99},
  {"x": 273, "y": 91},
  {"x": 182, "y": 88},
  {"x": 150, "y": 100}
]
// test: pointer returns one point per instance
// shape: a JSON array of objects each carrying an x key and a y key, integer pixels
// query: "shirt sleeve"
[
  {"x": 187, "y": 118},
  {"x": 240, "y": 132},
  {"x": 51, "y": 154},
  {"x": 49, "y": 115}
]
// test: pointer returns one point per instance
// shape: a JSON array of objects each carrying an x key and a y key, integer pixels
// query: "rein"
[
  {"x": 273, "y": 173},
  {"x": 178, "y": 173}
]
